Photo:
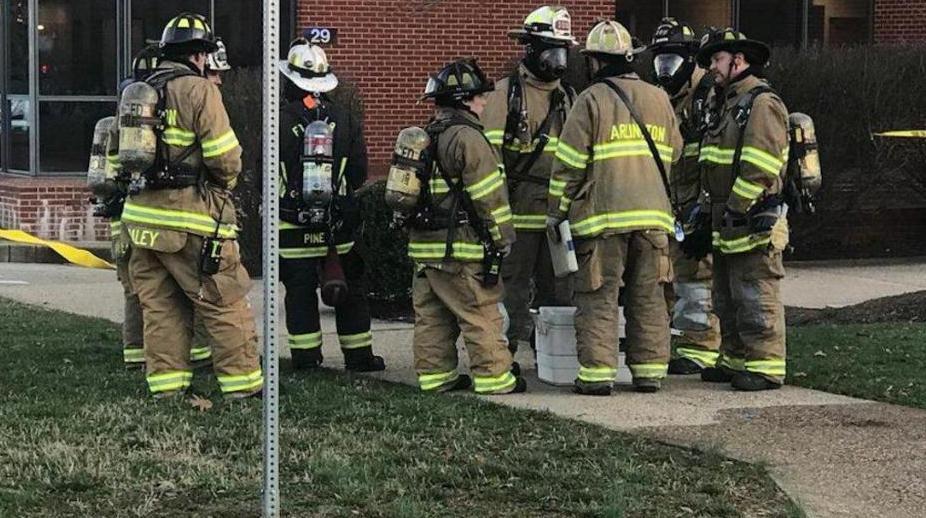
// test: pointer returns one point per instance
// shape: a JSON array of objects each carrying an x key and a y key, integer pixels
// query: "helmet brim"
[
  {"x": 521, "y": 34},
  {"x": 751, "y": 47},
  {"x": 323, "y": 84},
  {"x": 633, "y": 52}
]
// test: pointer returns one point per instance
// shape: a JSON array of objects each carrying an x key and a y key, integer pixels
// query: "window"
[
  {"x": 775, "y": 22},
  {"x": 701, "y": 14},
  {"x": 77, "y": 47},
  {"x": 839, "y": 22},
  {"x": 20, "y": 130},
  {"x": 240, "y": 25},
  {"x": 66, "y": 133},
  {"x": 640, "y": 17}
]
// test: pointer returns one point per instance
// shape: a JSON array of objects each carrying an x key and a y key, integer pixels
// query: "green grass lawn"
[
  {"x": 884, "y": 362},
  {"x": 79, "y": 437}
]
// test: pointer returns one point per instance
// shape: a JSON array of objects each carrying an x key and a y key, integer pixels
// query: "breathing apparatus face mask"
[
  {"x": 546, "y": 62},
  {"x": 672, "y": 70}
]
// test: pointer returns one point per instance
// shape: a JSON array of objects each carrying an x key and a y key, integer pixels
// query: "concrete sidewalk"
[{"x": 835, "y": 455}]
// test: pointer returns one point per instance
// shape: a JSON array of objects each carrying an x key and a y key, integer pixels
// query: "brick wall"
[
  {"x": 388, "y": 48},
  {"x": 50, "y": 208},
  {"x": 900, "y": 21}
]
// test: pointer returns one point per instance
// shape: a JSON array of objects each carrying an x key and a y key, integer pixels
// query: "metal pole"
[
  {"x": 805, "y": 24},
  {"x": 271, "y": 108},
  {"x": 665, "y": 8},
  {"x": 32, "y": 32}
]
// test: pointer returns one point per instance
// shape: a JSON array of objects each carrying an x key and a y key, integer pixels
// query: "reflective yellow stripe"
[
  {"x": 167, "y": 381},
  {"x": 200, "y": 353},
  {"x": 692, "y": 149},
  {"x": 571, "y": 156},
  {"x": 438, "y": 185},
  {"x": 487, "y": 384},
  {"x": 176, "y": 220},
  {"x": 183, "y": 23},
  {"x": 740, "y": 245},
  {"x": 437, "y": 380},
  {"x": 495, "y": 136},
  {"x": 764, "y": 160},
  {"x": 624, "y": 220},
  {"x": 597, "y": 374},
  {"x": 179, "y": 137},
  {"x": 486, "y": 186},
  {"x": 649, "y": 370},
  {"x": 530, "y": 221},
  {"x": 133, "y": 355},
  {"x": 528, "y": 148},
  {"x": 241, "y": 383},
  {"x": 115, "y": 227},
  {"x": 306, "y": 341},
  {"x": 220, "y": 145},
  {"x": 314, "y": 251},
  {"x": 557, "y": 187},
  {"x": 629, "y": 148},
  {"x": 356, "y": 341},
  {"x": 729, "y": 362},
  {"x": 747, "y": 189},
  {"x": 700, "y": 356},
  {"x": 502, "y": 214},
  {"x": 421, "y": 251},
  {"x": 564, "y": 204},
  {"x": 767, "y": 367}
]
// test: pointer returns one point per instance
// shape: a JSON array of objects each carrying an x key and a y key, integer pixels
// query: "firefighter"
[
  {"x": 133, "y": 354},
  {"x": 459, "y": 234},
  {"x": 608, "y": 184},
  {"x": 674, "y": 47},
  {"x": 181, "y": 219},
  {"x": 216, "y": 63},
  {"x": 316, "y": 241},
  {"x": 523, "y": 120},
  {"x": 742, "y": 157}
]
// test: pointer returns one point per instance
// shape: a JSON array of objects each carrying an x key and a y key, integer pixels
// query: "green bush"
[{"x": 389, "y": 270}]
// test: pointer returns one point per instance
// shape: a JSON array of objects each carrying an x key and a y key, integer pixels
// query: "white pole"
[{"x": 271, "y": 484}]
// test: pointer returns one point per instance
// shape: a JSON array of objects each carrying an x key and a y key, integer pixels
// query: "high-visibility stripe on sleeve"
[
  {"x": 747, "y": 189},
  {"x": 486, "y": 186},
  {"x": 764, "y": 160},
  {"x": 495, "y": 136},
  {"x": 557, "y": 187},
  {"x": 571, "y": 156},
  {"x": 220, "y": 145}
]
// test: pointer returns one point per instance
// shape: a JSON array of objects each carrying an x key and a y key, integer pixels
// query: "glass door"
[{"x": 18, "y": 109}]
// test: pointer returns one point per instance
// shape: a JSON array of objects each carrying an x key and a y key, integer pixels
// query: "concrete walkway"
[{"x": 836, "y": 456}]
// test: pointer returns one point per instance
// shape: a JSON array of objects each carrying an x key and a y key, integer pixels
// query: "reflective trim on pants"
[
  {"x": 597, "y": 374},
  {"x": 699, "y": 356},
  {"x": 133, "y": 355},
  {"x": 429, "y": 382},
  {"x": 241, "y": 383},
  {"x": 774, "y": 368},
  {"x": 306, "y": 341},
  {"x": 169, "y": 381},
  {"x": 200, "y": 353},
  {"x": 356, "y": 341},
  {"x": 494, "y": 384},
  {"x": 737, "y": 364},
  {"x": 649, "y": 370}
]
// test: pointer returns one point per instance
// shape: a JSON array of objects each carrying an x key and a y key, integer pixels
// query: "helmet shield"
[{"x": 667, "y": 66}]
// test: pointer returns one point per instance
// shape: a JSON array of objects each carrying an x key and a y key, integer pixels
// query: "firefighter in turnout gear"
[
  {"x": 611, "y": 181},
  {"x": 320, "y": 216},
  {"x": 176, "y": 144},
  {"x": 133, "y": 353},
  {"x": 743, "y": 156},
  {"x": 523, "y": 119},
  {"x": 459, "y": 233},
  {"x": 674, "y": 47}
]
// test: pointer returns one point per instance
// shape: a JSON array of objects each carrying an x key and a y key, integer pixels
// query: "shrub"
[{"x": 389, "y": 270}]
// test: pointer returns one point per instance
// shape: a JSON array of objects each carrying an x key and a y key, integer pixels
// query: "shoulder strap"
[
  {"x": 742, "y": 113},
  {"x": 542, "y": 136},
  {"x": 158, "y": 80},
  {"x": 649, "y": 140}
]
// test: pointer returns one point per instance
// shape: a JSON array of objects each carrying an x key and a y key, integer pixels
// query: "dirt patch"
[{"x": 906, "y": 308}]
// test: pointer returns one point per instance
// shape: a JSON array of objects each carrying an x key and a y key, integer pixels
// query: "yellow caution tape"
[
  {"x": 72, "y": 254},
  {"x": 903, "y": 134}
]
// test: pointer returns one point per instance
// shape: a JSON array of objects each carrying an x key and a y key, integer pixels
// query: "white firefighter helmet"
[
  {"x": 218, "y": 61},
  {"x": 551, "y": 24},
  {"x": 611, "y": 38},
  {"x": 307, "y": 67}
]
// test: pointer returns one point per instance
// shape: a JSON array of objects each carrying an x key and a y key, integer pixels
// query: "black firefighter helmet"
[{"x": 460, "y": 80}]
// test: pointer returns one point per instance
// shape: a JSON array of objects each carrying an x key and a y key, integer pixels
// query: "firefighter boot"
[
  {"x": 597, "y": 389},
  {"x": 304, "y": 359},
  {"x": 717, "y": 375},
  {"x": 751, "y": 382},
  {"x": 647, "y": 385},
  {"x": 684, "y": 366},
  {"x": 363, "y": 360}
]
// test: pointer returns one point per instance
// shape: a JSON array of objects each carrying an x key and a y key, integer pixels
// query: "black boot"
[
  {"x": 717, "y": 375},
  {"x": 363, "y": 360},
  {"x": 516, "y": 368},
  {"x": 751, "y": 382},
  {"x": 592, "y": 390},
  {"x": 647, "y": 385},
  {"x": 305, "y": 359},
  {"x": 684, "y": 366}
]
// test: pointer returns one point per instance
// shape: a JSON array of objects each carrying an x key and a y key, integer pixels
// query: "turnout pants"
[
  {"x": 170, "y": 287},
  {"x": 301, "y": 278},
  {"x": 692, "y": 308},
  {"x": 529, "y": 282},
  {"x": 637, "y": 262},
  {"x": 752, "y": 319},
  {"x": 451, "y": 301}
]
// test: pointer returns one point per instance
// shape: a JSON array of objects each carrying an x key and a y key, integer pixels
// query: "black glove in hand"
[{"x": 699, "y": 239}]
